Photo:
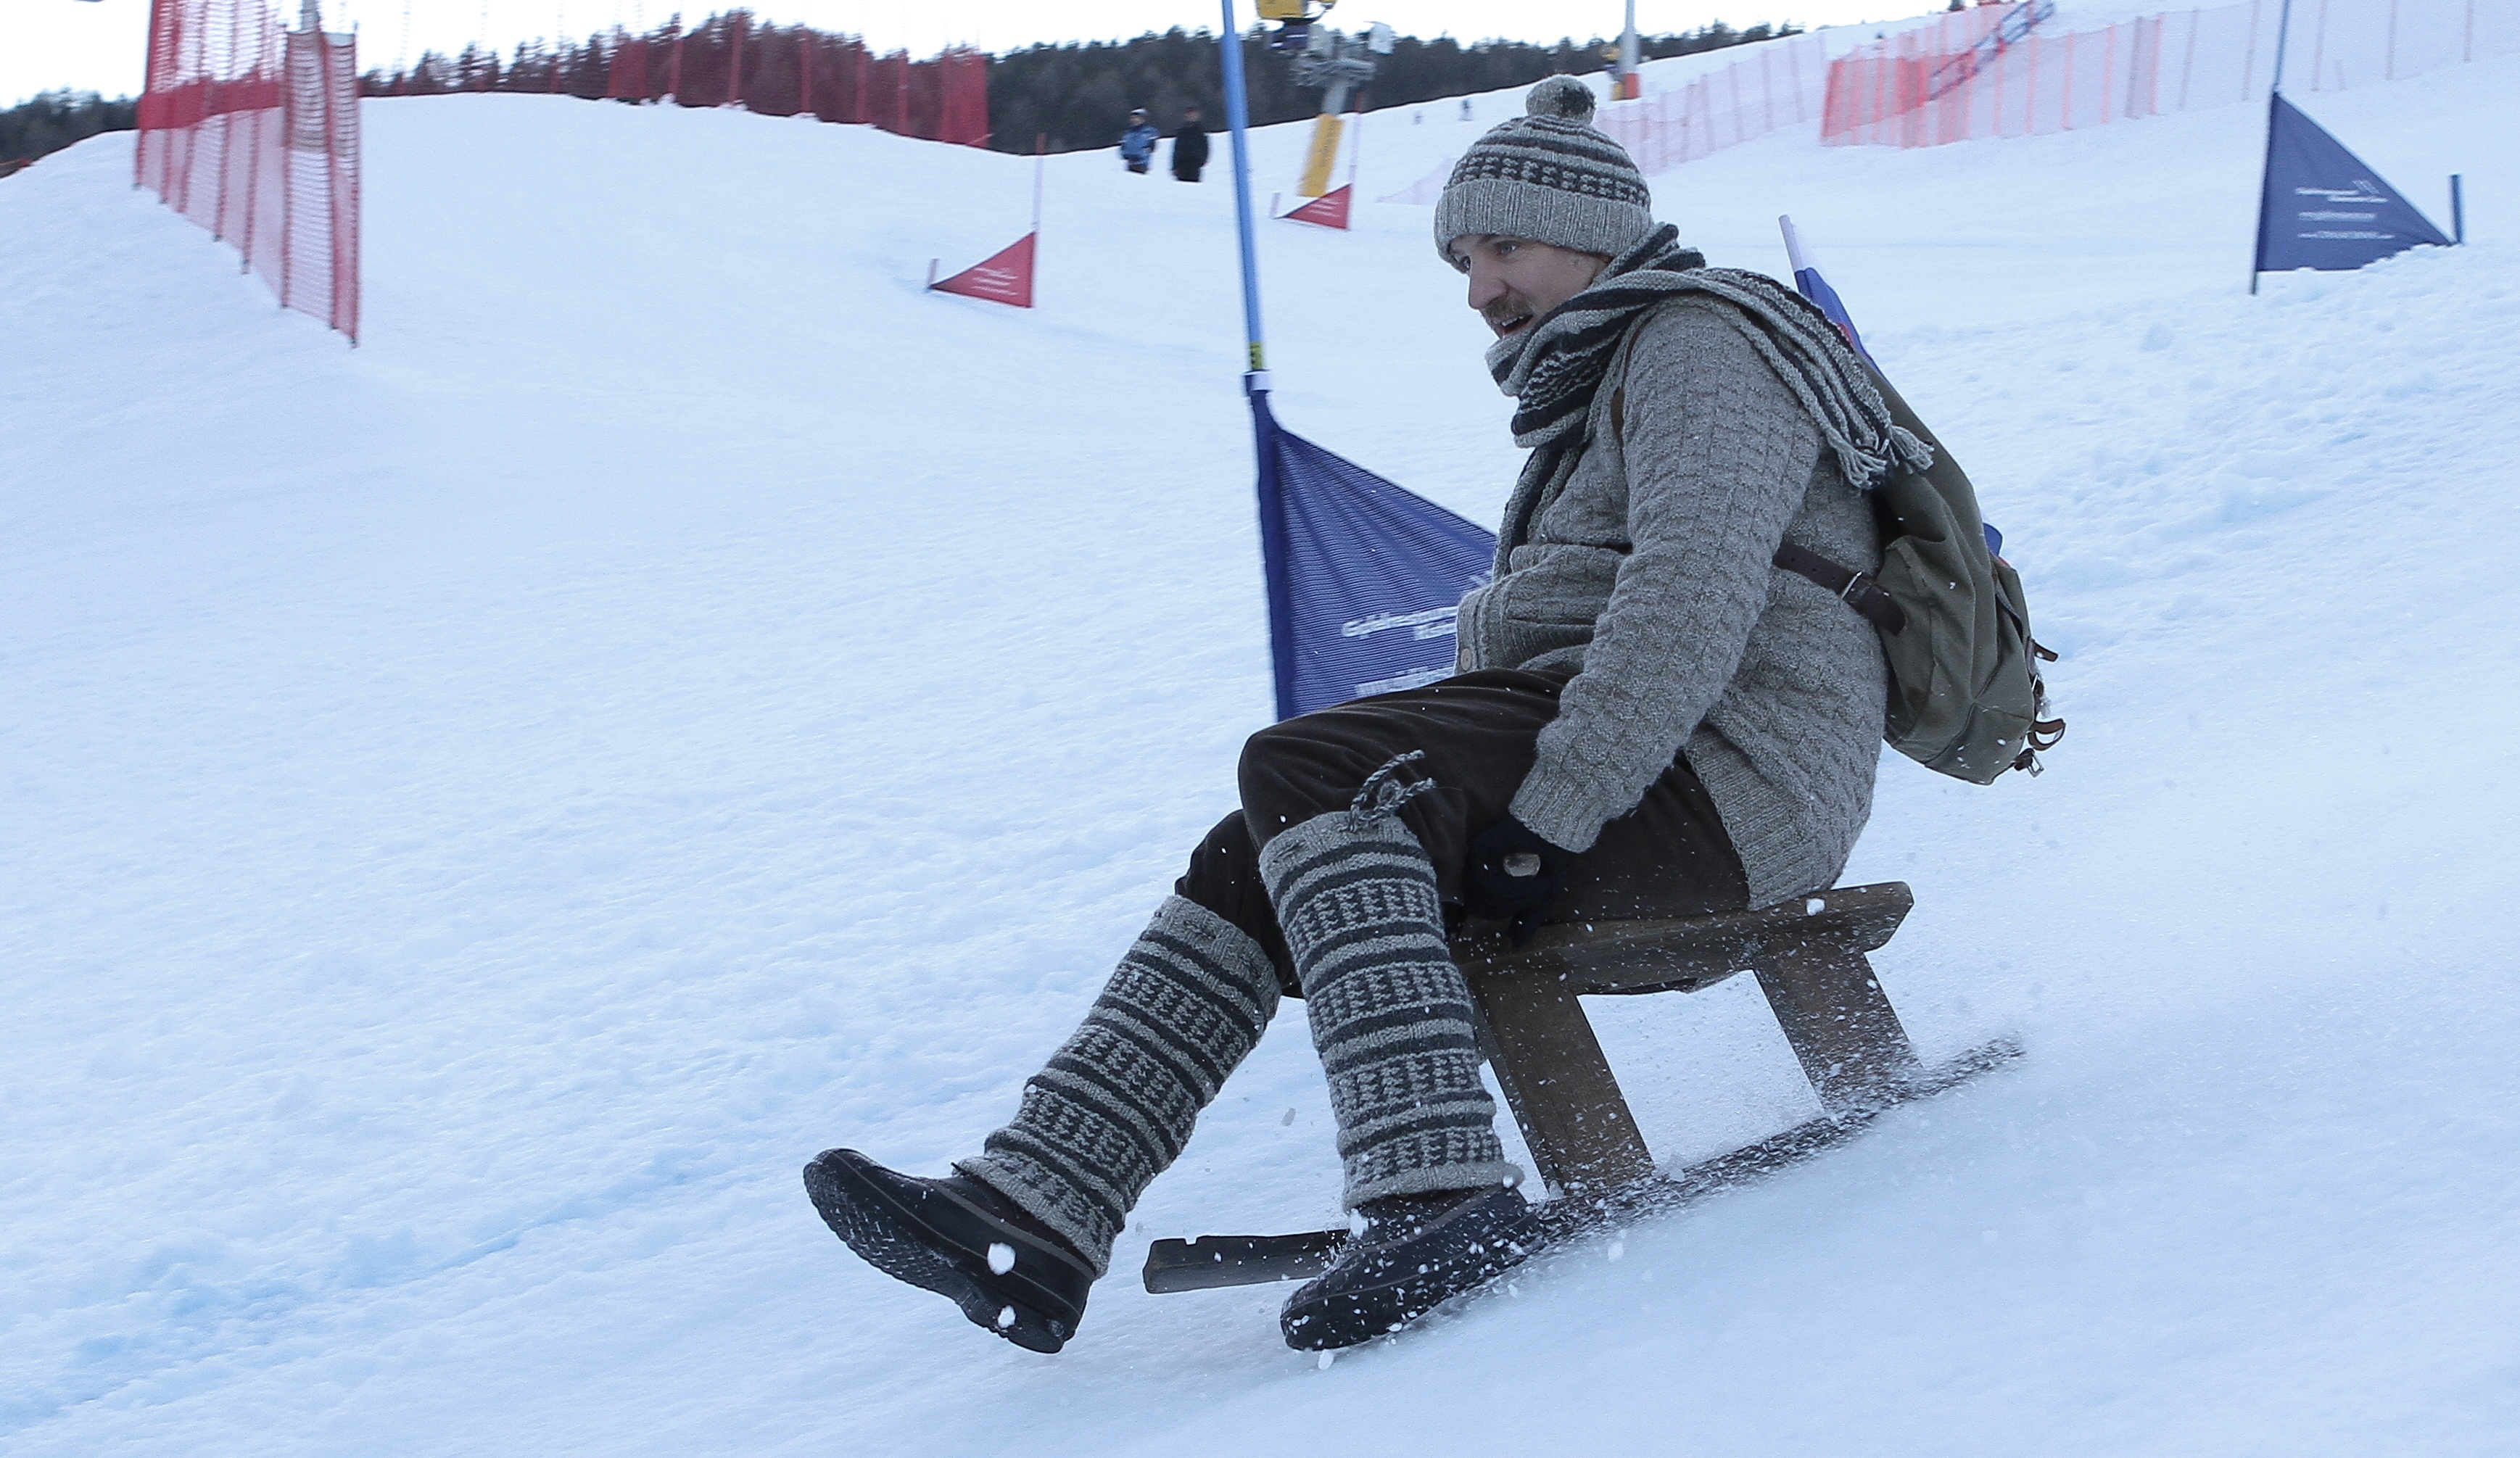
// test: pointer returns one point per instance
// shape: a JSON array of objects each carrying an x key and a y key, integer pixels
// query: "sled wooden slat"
[
  {"x": 1683, "y": 955},
  {"x": 1542, "y": 1049},
  {"x": 1843, "y": 1030},
  {"x": 1808, "y": 955}
]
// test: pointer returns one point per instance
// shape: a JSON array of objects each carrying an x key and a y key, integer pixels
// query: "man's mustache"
[{"x": 1505, "y": 310}]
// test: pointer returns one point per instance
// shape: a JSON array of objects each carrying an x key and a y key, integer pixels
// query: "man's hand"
[{"x": 1513, "y": 871}]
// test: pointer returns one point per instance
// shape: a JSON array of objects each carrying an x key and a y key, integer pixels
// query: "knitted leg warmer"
[
  {"x": 1390, "y": 1013},
  {"x": 1116, "y": 1103}
]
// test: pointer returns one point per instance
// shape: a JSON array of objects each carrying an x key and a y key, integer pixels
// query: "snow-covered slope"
[{"x": 483, "y": 809}]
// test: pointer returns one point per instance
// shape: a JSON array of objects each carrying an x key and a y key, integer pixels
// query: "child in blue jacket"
[{"x": 1138, "y": 142}]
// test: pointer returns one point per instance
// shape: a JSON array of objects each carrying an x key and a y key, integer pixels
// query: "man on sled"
[{"x": 1650, "y": 719}]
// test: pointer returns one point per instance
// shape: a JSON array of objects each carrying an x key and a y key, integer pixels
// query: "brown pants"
[{"x": 1669, "y": 857}]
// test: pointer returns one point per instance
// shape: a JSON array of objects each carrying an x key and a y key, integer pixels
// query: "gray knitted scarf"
[{"x": 1554, "y": 366}]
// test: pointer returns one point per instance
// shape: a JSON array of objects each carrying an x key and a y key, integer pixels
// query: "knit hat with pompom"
[{"x": 1548, "y": 176}]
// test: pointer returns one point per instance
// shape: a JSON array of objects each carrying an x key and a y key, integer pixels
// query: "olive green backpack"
[{"x": 1966, "y": 694}]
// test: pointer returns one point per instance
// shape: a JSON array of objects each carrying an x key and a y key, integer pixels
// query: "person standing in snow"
[
  {"x": 1190, "y": 146},
  {"x": 1649, "y": 717},
  {"x": 1138, "y": 142}
]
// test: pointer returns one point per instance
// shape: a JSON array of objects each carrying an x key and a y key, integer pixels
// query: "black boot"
[
  {"x": 958, "y": 1238},
  {"x": 1417, "y": 1252}
]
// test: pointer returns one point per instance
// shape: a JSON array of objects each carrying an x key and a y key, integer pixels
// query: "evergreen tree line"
[
  {"x": 583, "y": 69},
  {"x": 54, "y": 119},
  {"x": 1079, "y": 95},
  {"x": 728, "y": 58}
]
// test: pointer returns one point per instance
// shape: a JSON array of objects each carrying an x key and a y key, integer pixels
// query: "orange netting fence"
[
  {"x": 1924, "y": 89},
  {"x": 2014, "y": 71},
  {"x": 253, "y": 133},
  {"x": 1777, "y": 84}
]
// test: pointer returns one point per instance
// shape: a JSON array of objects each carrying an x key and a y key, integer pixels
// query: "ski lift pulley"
[{"x": 1295, "y": 20}]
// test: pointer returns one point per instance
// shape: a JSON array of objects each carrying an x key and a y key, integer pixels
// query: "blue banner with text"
[
  {"x": 1364, "y": 577},
  {"x": 2323, "y": 207}
]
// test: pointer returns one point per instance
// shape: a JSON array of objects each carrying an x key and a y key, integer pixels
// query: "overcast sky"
[{"x": 97, "y": 44}]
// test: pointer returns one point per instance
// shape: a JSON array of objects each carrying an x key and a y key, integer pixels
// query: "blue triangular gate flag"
[
  {"x": 1364, "y": 577},
  {"x": 2323, "y": 207}
]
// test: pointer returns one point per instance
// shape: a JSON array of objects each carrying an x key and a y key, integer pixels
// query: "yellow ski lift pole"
[{"x": 1321, "y": 155}]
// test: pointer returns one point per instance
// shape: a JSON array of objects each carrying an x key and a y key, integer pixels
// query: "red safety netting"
[
  {"x": 2011, "y": 71},
  {"x": 799, "y": 71},
  {"x": 253, "y": 133},
  {"x": 1777, "y": 84},
  {"x": 1922, "y": 89}
]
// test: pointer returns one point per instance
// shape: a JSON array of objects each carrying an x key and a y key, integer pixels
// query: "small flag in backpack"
[{"x": 1816, "y": 288}]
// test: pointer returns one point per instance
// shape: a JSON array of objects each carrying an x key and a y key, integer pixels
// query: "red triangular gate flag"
[
  {"x": 1005, "y": 278},
  {"x": 1329, "y": 209}
]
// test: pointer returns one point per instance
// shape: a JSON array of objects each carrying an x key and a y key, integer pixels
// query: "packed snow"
[{"x": 483, "y": 808}]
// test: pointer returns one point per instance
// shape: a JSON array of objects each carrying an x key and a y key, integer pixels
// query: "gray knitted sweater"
[{"x": 1647, "y": 574}]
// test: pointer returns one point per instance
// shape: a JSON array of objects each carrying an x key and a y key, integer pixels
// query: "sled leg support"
[{"x": 1808, "y": 957}]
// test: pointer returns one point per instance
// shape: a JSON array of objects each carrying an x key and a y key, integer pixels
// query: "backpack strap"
[{"x": 1856, "y": 590}]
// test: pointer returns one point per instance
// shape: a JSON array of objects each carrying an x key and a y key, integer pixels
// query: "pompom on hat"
[{"x": 1549, "y": 176}]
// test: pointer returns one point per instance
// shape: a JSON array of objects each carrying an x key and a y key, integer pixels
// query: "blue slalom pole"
[
  {"x": 1238, "y": 120},
  {"x": 2283, "y": 33},
  {"x": 1255, "y": 388}
]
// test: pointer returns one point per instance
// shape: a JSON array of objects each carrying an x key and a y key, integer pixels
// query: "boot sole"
[{"x": 891, "y": 1239}]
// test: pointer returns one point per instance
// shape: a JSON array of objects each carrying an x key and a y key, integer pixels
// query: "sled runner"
[{"x": 1808, "y": 955}]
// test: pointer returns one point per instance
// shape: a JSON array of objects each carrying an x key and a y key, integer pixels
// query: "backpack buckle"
[{"x": 1872, "y": 602}]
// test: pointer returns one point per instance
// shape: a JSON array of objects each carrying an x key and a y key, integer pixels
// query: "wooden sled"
[{"x": 1808, "y": 956}]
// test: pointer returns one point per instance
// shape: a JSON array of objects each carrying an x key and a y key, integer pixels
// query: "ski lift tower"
[
  {"x": 1338, "y": 63},
  {"x": 1630, "y": 83}
]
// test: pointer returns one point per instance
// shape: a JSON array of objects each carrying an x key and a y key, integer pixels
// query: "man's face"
[{"x": 1513, "y": 280}]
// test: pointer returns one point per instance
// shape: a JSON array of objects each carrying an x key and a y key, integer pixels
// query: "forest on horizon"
[{"x": 1076, "y": 94}]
